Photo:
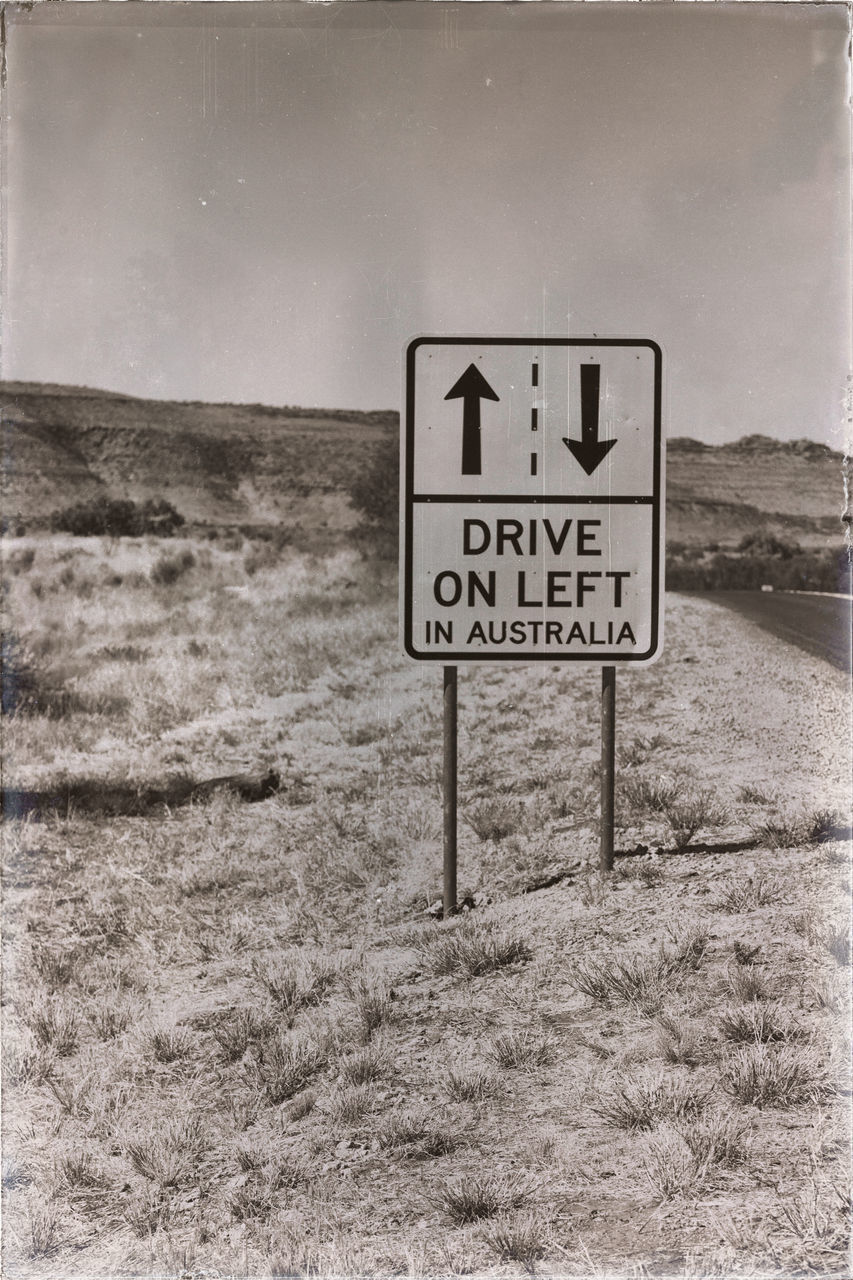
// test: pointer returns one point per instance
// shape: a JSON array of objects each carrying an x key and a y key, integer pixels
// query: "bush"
[
  {"x": 117, "y": 518},
  {"x": 788, "y": 570},
  {"x": 375, "y": 492},
  {"x": 20, "y": 685},
  {"x": 168, "y": 569}
]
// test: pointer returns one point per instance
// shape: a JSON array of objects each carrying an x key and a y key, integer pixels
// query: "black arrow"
[
  {"x": 472, "y": 388},
  {"x": 589, "y": 450}
]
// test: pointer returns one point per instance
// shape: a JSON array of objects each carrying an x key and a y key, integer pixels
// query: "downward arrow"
[
  {"x": 589, "y": 450},
  {"x": 471, "y": 388}
]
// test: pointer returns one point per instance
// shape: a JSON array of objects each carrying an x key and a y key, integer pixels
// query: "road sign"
[{"x": 532, "y": 500}]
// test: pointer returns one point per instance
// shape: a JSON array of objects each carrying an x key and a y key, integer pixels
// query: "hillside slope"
[{"x": 227, "y": 464}]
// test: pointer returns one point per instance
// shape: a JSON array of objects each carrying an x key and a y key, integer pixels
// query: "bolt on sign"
[{"x": 532, "y": 500}]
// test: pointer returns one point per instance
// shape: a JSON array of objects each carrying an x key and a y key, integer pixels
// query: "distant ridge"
[{"x": 226, "y": 464}]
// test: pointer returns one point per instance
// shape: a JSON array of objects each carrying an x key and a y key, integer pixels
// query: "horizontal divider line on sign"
[{"x": 615, "y": 499}]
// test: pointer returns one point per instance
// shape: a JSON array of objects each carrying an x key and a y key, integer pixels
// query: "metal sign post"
[
  {"x": 449, "y": 791},
  {"x": 608, "y": 765},
  {"x": 532, "y": 508}
]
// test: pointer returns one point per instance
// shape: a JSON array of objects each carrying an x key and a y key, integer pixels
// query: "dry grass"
[
  {"x": 484, "y": 1196},
  {"x": 474, "y": 948},
  {"x": 644, "y": 1102},
  {"x": 235, "y": 1043},
  {"x": 775, "y": 1077}
]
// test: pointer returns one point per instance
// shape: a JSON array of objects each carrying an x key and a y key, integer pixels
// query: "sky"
[{"x": 266, "y": 202}]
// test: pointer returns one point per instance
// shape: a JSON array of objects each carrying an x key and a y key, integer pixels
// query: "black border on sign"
[{"x": 409, "y": 497}]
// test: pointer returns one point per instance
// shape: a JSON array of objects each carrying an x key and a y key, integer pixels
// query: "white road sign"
[{"x": 532, "y": 500}]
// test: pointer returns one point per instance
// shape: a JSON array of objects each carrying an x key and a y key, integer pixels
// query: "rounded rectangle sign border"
[{"x": 407, "y": 502}]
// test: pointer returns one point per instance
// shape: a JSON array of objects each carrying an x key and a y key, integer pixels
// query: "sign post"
[
  {"x": 608, "y": 766},
  {"x": 449, "y": 791},
  {"x": 532, "y": 510}
]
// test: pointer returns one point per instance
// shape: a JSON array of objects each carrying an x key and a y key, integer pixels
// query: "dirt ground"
[{"x": 237, "y": 1043}]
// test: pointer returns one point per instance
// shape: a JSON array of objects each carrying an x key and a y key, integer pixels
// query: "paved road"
[{"x": 819, "y": 624}]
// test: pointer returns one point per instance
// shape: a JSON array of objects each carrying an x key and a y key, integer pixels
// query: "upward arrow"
[
  {"x": 471, "y": 388},
  {"x": 589, "y": 450}
]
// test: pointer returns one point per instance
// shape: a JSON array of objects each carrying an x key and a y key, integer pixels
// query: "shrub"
[
  {"x": 117, "y": 518},
  {"x": 825, "y": 570},
  {"x": 20, "y": 685},
  {"x": 781, "y": 833},
  {"x": 375, "y": 491},
  {"x": 21, "y": 560},
  {"x": 168, "y": 569}
]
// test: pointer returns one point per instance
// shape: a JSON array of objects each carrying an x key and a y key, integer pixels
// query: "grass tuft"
[
  {"x": 169, "y": 1155},
  {"x": 373, "y": 1000},
  {"x": 363, "y": 1067},
  {"x": 748, "y": 894},
  {"x": 746, "y": 983},
  {"x": 678, "y": 1042},
  {"x": 235, "y": 1034},
  {"x": 169, "y": 1044},
  {"x": 351, "y": 1102},
  {"x": 285, "y": 1066},
  {"x": 473, "y": 948},
  {"x": 757, "y": 1023},
  {"x": 468, "y": 1086},
  {"x": 694, "y": 813},
  {"x": 519, "y": 1237},
  {"x": 643, "y": 1103},
  {"x": 782, "y": 1076},
  {"x": 641, "y": 980},
  {"x": 494, "y": 819},
  {"x": 522, "y": 1048},
  {"x": 416, "y": 1135},
  {"x": 293, "y": 981},
  {"x": 54, "y": 1025},
  {"x": 483, "y": 1196}
]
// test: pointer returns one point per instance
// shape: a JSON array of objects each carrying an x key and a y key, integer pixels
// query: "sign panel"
[{"x": 532, "y": 500}]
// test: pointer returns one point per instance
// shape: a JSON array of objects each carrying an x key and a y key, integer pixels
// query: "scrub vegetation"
[{"x": 237, "y": 1041}]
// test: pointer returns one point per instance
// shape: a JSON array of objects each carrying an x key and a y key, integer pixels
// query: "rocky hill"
[{"x": 225, "y": 464}]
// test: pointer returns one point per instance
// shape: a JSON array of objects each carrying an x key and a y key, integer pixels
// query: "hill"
[
  {"x": 222, "y": 464},
  {"x": 216, "y": 463}
]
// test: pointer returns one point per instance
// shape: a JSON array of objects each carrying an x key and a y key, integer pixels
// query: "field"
[{"x": 238, "y": 1041}]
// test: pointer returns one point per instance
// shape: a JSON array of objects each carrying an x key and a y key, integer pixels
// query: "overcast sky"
[{"x": 266, "y": 202}]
